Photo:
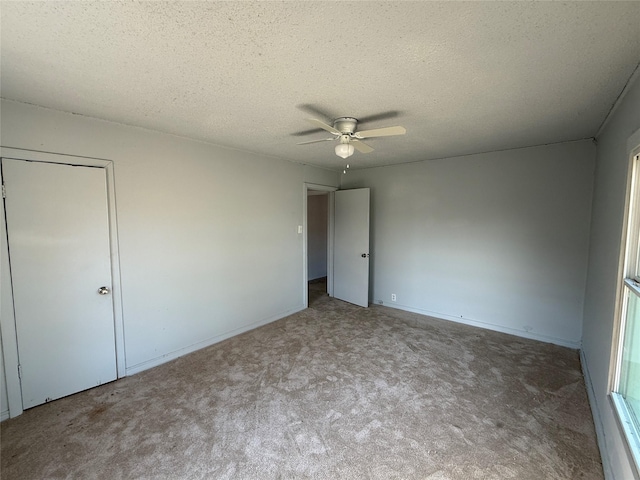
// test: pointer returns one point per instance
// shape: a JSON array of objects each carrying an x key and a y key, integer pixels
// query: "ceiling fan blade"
[
  {"x": 316, "y": 111},
  {"x": 316, "y": 141},
  {"x": 361, "y": 146},
  {"x": 323, "y": 125},
  {"x": 306, "y": 132},
  {"x": 379, "y": 116},
  {"x": 381, "y": 132}
]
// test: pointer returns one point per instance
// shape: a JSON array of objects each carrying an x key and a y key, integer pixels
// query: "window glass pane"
[
  {"x": 633, "y": 270},
  {"x": 633, "y": 248},
  {"x": 630, "y": 367}
]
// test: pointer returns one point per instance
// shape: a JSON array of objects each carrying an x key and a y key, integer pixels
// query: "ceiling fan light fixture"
[{"x": 344, "y": 150}]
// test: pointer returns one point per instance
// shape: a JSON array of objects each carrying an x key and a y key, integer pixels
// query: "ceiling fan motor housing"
[{"x": 345, "y": 125}]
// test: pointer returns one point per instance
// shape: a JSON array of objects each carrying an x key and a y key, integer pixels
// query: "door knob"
[
  {"x": 364, "y": 255},
  {"x": 103, "y": 290}
]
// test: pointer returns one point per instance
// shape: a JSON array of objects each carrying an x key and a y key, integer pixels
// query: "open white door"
[
  {"x": 351, "y": 248},
  {"x": 58, "y": 231}
]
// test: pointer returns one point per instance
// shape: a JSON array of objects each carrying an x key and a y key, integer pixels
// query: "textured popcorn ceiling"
[{"x": 462, "y": 77}]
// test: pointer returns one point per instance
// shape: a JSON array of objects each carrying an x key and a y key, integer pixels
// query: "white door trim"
[
  {"x": 305, "y": 262},
  {"x": 7, "y": 320}
]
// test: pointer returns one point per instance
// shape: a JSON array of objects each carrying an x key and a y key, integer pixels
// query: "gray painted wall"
[
  {"x": 601, "y": 289},
  {"x": 317, "y": 226},
  {"x": 498, "y": 240},
  {"x": 202, "y": 229}
]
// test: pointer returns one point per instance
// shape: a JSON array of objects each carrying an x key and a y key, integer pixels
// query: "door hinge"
[
  {"x": 20, "y": 372},
  {"x": 4, "y": 191}
]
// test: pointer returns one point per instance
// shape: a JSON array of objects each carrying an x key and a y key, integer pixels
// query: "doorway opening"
[
  {"x": 347, "y": 243},
  {"x": 317, "y": 243}
]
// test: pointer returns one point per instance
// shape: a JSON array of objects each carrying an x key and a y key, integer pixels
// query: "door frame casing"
[
  {"x": 305, "y": 247},
  {"x": 7, "y": 320}
]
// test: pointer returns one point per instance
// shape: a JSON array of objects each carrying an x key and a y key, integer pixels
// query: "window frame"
[{"x": 628, "y": 284}]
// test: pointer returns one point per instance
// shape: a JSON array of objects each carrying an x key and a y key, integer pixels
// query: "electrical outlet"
[{"x": 393, "y": 297}]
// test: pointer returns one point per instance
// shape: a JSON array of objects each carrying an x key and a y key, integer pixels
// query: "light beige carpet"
[{"x": 333, "y": 392}]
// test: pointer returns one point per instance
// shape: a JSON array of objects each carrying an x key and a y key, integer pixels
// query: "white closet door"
[{"x": 58, "y": 232}]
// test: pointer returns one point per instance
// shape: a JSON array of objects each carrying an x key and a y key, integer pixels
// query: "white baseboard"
[
  {"x": 154, "y": 362},
  {"x": 4, "y": 415},
  {"x": 489, "y": 326},
  {"x": 597, "y": 420}
]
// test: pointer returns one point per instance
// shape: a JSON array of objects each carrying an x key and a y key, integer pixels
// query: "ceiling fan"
[{"x": 344, "y": 130}]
